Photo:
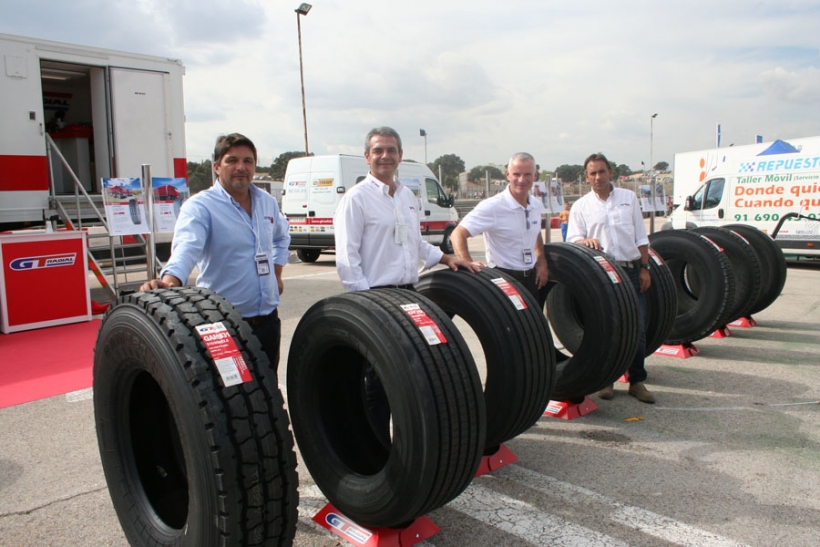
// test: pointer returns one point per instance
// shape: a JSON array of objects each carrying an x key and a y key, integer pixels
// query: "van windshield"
[{"x": 713, "y": 191}]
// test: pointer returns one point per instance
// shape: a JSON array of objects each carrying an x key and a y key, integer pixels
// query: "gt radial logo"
[
  {"x": 348, "y": 528},
  {"x": 46, "y": 261}
]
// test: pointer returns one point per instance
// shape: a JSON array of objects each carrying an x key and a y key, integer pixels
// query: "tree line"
[{"x": 450, "y": 166}]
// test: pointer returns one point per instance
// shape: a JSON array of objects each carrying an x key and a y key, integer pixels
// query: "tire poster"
[
  {"x": 124, "y": 204},
  {"x": 168, "y": 197}
]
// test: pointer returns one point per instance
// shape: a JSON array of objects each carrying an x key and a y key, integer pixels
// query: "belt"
[
  {"x": 406, "y": 286},
  {"x": 636, "y": 264},
  {"x": 261, "y": 318},
  {"x": 518, "y": 274}
]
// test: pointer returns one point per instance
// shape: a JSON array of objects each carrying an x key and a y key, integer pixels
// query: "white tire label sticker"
[{"x": 227, "y": 357}]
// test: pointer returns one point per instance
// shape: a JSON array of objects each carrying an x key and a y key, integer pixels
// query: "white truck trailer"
[
  {"x": 108, "y": 112},
  {"x": 774, "y": 186}
]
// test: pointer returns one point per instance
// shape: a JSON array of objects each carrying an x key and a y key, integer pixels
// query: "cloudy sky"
[{"x": 560, "y": 79}]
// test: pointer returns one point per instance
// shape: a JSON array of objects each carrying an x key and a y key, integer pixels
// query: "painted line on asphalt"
[
  {"x": 526, "y": 522},
  {"x": 80, "y": 395},
  {"x": 331, "y": 272},
  {"x": 635, "y": 518}
]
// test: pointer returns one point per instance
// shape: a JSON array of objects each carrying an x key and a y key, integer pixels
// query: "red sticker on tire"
[
  {"x": 609, "y": 269},
  {"x": 511, "y": 292},
  {"x": 227, "y": 357},
  {"x": 429, "y": 329}
]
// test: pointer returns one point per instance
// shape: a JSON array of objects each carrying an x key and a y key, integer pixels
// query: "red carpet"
[{"x": 41, "y": 363}]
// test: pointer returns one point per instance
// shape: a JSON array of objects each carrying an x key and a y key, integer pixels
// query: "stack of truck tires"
[{"x": 720, "y": 275}]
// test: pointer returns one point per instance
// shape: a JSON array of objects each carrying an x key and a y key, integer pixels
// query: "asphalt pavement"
[{"x": 730, "y": 454}]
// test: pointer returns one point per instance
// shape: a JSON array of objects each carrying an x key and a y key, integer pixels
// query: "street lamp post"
[
  {"x": 423, "y": 133},
  {"x": 303, "y": 9},
  {"x": 652, "y": 178}
]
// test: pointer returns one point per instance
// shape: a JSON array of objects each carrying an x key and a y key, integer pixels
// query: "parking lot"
[{"x": 730, "y": 454}]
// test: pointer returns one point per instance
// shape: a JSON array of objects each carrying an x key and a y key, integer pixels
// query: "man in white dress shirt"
[
  {"x": 609, "y": 219},
  {"x": 378, "y": 225}
]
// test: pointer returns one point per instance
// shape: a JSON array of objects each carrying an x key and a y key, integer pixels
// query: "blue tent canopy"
[{"x": 779, "y": 147}]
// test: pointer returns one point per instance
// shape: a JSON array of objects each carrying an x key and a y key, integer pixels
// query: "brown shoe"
[
  {"x": 607, "y": 393},
  {"x": 640, "y": 392}
]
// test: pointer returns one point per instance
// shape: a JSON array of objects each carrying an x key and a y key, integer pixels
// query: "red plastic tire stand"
[
  {"x": 364, "y": 536},
  {"x": 624, "y": 378},
  {"x": 681, "y": 351},
  {"x": 569, "y": 411},
  {"x": 743, "y": 323},
  {"x": 503, "y": 456},
  {"x": 722, "y": 332}
]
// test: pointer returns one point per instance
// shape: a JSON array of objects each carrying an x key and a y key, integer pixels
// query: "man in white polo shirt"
[{"x": 511, "y": 224}]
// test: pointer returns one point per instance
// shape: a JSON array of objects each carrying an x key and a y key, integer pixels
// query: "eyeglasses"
[{"x": 527, "y": 218}]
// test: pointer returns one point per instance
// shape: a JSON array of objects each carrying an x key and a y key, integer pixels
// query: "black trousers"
[{"x": 268, "y": 330}]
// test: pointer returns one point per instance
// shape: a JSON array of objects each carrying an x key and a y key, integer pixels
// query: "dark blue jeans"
[{"x": 637, "y": 371}]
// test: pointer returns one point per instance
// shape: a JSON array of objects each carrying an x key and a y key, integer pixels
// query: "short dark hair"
[
  {"x": 597, "y": 157},
  {"x": 225, "y": 142},
  {"x": 384, "y": 131}
]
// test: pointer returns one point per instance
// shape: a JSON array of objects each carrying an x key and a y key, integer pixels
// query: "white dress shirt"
[
  {"x": 509, "y": 229},
  {"x": 617, "y": 223},
  {"x": 367, "y": 251}
]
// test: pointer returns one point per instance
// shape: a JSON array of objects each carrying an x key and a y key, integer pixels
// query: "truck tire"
[
  {"x": 745, "y": 265},
  {"x": 516, "y": 341},
  {"x": 308, "y": 255},
  {"x": 704, "y": 282},
  {"x": 432, "y": 388},
  {"x": 592, "y": 304},
  {"x": 188, "y": 461},
  {"x": 134, "y": 210},
  {"x": 661, "y": 303},
  {"x": 446, "y": 244},
  {"x": 772, "y": 261}
]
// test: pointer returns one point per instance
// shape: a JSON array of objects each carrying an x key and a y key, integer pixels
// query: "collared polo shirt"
[{"x": 508, "y": 227}]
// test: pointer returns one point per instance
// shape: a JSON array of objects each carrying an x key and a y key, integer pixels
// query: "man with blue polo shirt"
[
  {"x": 234, "y": 234},
  {"x": 511, "y": 224}
]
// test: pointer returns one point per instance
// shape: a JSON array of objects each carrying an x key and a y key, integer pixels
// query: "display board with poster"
[
  {"x": 169, "y": 194},
  {"x": 551, "y": 195},
  {"x": 124, "y": 203}
]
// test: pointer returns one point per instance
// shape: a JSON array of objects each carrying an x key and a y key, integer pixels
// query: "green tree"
[
  {"x": 661, "y": 166},
  {"x": 478, "y": 173},
  {"x": 199, "y": 176},
  {"x": 622, "y": 170},
  {"x": 280, "y": 164},
  {"x": 451, "y": 166},
  {"x": 569, "y": 173}
]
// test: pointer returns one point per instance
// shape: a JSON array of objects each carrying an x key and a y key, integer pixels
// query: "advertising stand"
[{"x": 43, "y": 280}]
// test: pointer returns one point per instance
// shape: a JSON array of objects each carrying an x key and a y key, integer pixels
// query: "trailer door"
[{"x": 140, "y": 122}]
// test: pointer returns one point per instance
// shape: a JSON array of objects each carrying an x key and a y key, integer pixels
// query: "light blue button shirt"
[{"x": 215, "y": 233}]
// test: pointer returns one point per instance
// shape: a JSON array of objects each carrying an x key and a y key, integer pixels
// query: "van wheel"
[
  {"x": 516, "y": 341},
  {"x": 773, "y": 265},
  {"x": 437, "y": 419},
  {"x": 308, "y": 255},
  {"x": 704, "y": 281},
  {"x": 188, "y": 461},
  {"x": 591, "y": 304},
  {"x": 745, "y": 264},
  {"x": 446, "y": 244}
]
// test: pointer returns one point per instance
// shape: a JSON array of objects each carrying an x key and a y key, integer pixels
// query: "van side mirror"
[
  {"x": 451, "y": 201},
  {"x": 688, "y": 204}
]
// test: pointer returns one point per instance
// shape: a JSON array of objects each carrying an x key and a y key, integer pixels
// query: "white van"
[
  {"x": 314, "y": 186},
  {"x": 772, "y": 186}
]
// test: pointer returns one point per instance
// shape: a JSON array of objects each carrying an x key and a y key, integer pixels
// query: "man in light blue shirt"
[{"x": 234, "y": 234}]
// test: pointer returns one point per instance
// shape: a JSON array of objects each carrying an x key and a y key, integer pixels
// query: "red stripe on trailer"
[
  {"x": 180, "y": 168},
  {"x": 23, "y": 173}
]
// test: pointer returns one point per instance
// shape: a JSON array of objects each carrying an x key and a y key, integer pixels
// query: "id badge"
[
  {"x": 262, "y": 265},
  {"x": 527, "y": 256},
  {"x": 400, "y": 234}
]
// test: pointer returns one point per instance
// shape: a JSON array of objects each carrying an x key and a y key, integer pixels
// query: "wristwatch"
[{"x": 645, "y": 266}]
